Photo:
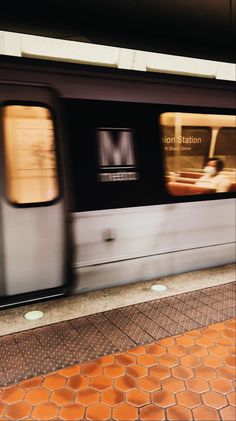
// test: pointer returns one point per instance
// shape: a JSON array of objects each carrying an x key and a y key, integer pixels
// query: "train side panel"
[{"x": 126, "y": 245}]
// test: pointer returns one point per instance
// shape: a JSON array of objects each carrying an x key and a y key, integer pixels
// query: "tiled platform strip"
[
  {"x": 43, "y": 349},
  {"x": 187, "y": 377}
]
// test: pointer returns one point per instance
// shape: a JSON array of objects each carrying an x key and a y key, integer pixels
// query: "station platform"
[{"x": 127, "y": 353}]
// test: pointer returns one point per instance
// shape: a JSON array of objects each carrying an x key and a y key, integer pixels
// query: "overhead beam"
[{"x": 193, "y": 28}]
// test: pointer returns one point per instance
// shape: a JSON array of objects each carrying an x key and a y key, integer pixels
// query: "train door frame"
[{"x": 56, "y": 275}]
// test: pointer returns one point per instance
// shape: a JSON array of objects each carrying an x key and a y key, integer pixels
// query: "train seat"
[
  {"x": 232, "y": 188},
  {"x": 184, "y": 189},
  {"x": 189, "y": 174}
]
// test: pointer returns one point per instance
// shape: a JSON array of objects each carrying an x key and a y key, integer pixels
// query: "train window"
[
  {"x": 29, "y": 143},
  {"x": 116, "y": 155},
  {"x": 199, "y": 153},
  {"x": 225, "y": 147}
]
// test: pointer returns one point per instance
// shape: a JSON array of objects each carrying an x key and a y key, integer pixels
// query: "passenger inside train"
[
  {"x": 213, "y": 176},
  {"x": 199, "y": 153}
]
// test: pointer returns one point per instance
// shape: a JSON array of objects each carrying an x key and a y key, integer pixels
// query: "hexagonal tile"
[
  {"x": 177, "y": 350},
  {"x": 115, "y": 370},
  {"x": 198, "y": 350},
  {"x": 221, "y": 385},
  {"x": 125, "y": 383},
  {"x": 205, "y": 373},
  {"x": 139, "y": 350},
  {"x": 37, "y": 395},
  {"x": 137, "y": 397},
  {"x": 231, "y": 324},
  {"x": 98, "y": 412},
  {"x": 125, "y": 412},
  {"x": 156, "y": 349},
  {"x": 204, "y": 413},
  {"x": 205, "y": 341},
  {"x": 45, "y": 411},
  {"x": 2, "y": 407},
  {"x": 18, "y": 411},
  {"x": 218, "y": 326},
  {"x": 70, "y": 371},
  {"x": 160, "y": 372},
  {"x": 138, "y": 374},
  {"x": 72, "y": 412},
  {"x": 152, "y": 413},
  {"x": 197, "y": 385},
  {"x": 172, "y": 384},
  {"x": 222, "y": 341},
  {"x": 214, "y": 400},
  {"x": 232, "y": 398},
  {"x": 210, "y": 333},
  {"x": 194, "y": 333},
  {"x": 54, "y": 382},
  {"x": 230, "y": 360},
  {"x": 91, "y": 370},
  {"x": 178, "y": 412},
  {"x": 62, "y": 396},
  {"x": 185, "y": 341},
  {"x": 31, "y": 383},
  {"x": 228, "y": 413},
  {"x": 101, "y": 382},
  {"x": 137, "y": 371},
  {"x": 228, "y": 333},
  {"x": 166, "y": 341},
  {"x": 150, "y": 384},
  {"x": 190, "y": 361},
  {"x": 188, "y": 399},
  {"x": 218, "y": 350},
  {"x": 226, "y": 372},
  {"x": 125, "y": 359},
  {"x": 168, "y": 360},
  {"x": 106, "y": 360},
  {"x": 78, "y": 382},
  {"x": 112, "y": 397},
  {"x": 183, "y": 373},
  {"x": 212, "y": 361},
  {"x": 87, "y": 396},
  {"x": 12, "y": 395},
  {"x": 232, "y": 350},
  {"x": 146, "y": 360},
  {"x": 163, "y": 398}
]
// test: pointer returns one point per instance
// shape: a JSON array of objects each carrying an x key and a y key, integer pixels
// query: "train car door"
[{"x": 32, "y": 210}]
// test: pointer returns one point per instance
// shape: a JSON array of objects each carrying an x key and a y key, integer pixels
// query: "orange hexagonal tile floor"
[{"x": 184, "y": 377}]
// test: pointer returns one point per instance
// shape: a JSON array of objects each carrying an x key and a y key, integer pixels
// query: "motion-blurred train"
[{"x": 98, "y": 177}]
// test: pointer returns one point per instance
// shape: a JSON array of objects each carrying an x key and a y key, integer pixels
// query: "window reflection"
[
  {"x": 29, "y": 142},
  {"x": 199, "y": 153}
]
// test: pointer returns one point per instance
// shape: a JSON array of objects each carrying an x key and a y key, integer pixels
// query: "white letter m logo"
[{"x": 115, "y": 147}]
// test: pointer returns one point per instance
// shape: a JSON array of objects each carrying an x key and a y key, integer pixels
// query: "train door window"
[
  {"x": 30, "y": 158},
  {"x": 116, "y": 155},
  {"x": 198, "y": 148}
]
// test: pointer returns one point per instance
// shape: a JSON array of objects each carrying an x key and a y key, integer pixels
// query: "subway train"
[{"x": 99, "y": 177}]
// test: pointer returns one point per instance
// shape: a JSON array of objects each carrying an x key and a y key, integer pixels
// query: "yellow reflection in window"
[
  {"x": 29, "y": 143},
  {"x": 199, "y": 153}
]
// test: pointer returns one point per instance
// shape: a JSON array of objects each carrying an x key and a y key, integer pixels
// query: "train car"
[{"x": 98, "y": 177}]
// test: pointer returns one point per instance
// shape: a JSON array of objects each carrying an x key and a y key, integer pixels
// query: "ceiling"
[{"x": 194, "y": 28}]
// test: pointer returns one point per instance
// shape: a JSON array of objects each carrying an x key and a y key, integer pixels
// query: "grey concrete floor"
[{"x": 12, "y": 320}]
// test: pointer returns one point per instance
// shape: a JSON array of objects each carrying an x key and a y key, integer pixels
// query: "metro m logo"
[{"x": 115, "y": 147}]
